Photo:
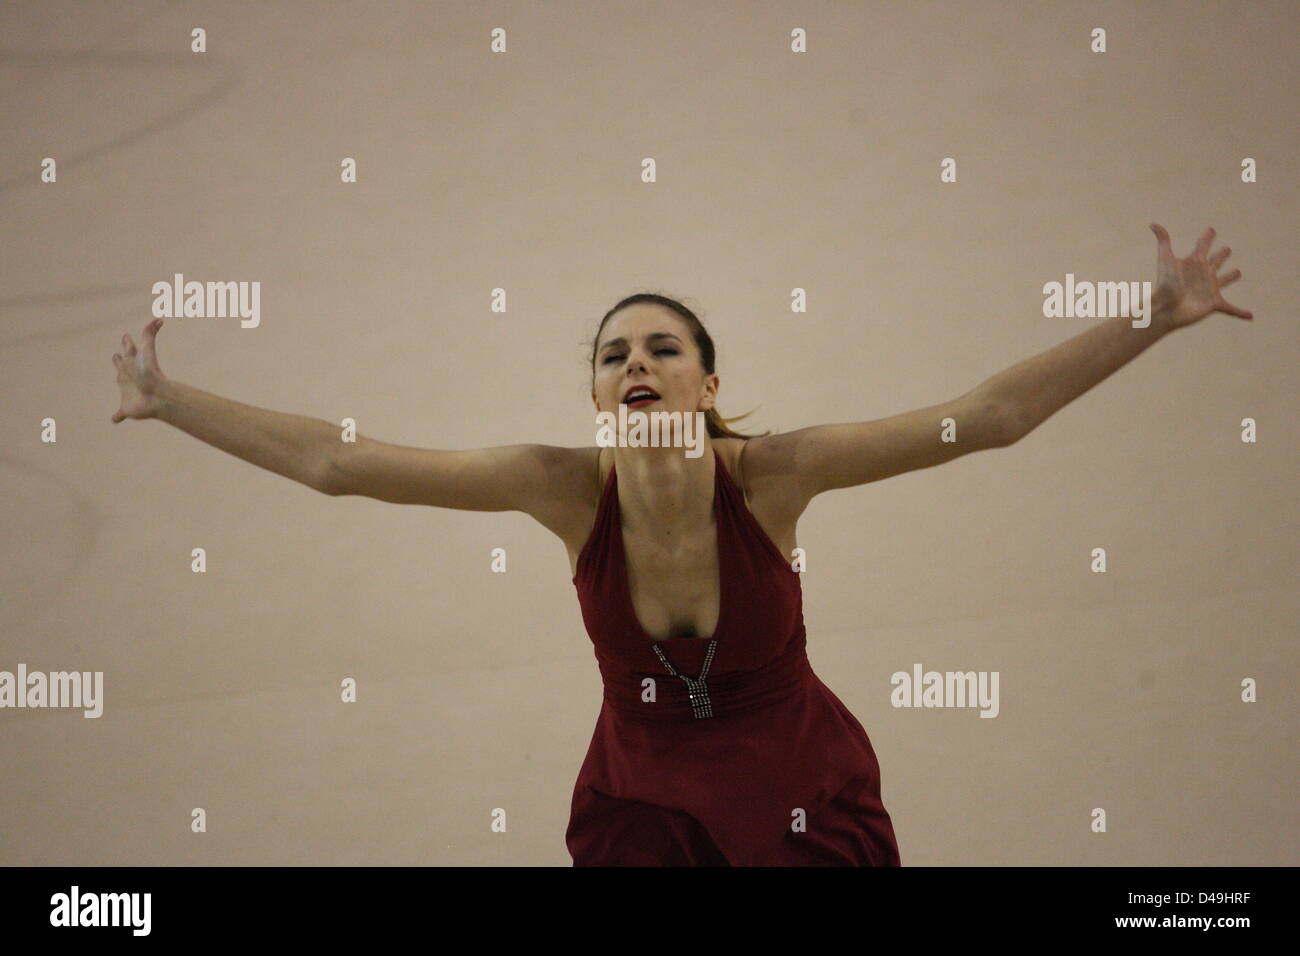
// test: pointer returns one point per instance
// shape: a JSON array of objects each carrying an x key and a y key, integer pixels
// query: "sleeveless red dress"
[{"x": 763, "y": 766}]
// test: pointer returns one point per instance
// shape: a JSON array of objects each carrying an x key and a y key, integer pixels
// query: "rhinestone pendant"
[
  {"x": 701, "y": 706},
  {"x": 698, "y": 690}
]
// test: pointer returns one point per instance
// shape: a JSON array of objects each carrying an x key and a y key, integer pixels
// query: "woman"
[{"x": 716, "y": 744}]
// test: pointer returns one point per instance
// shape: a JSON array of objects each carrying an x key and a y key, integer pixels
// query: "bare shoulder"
[
  {"x": 768, "y": 468},
  {"x": 763, "y": 469},
  {"x": 569, "y": 504}
]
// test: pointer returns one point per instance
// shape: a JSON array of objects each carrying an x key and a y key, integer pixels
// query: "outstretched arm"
[
  {"x": 1002, "y": 409},
  {"x": 1186, "y": 291},
  {"x": 540, "y": 480},
  {"x": 294, "y": 446}
]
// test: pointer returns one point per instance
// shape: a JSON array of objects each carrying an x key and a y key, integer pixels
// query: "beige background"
[{"x": 775, "y": 171}]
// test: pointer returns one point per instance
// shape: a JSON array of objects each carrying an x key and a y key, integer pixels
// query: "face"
[{"x": 649, "y": 344}]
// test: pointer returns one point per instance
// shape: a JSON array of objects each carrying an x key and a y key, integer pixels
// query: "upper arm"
[
  {"x": 825, "y": 457},
  {"x": 536, "y": 479}
]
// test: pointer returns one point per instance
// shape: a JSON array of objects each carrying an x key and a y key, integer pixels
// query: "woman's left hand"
[{"x": 1190, "y": 289}]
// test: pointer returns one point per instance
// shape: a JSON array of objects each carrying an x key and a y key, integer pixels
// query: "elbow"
[
  {"x": 328, "y": 479},
  {"x": 1008, "y": 424}
]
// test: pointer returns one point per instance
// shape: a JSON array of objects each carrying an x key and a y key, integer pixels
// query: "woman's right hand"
[{"x": 139, "y": 376}]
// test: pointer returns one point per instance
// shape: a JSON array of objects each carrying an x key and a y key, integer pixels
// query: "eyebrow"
[{"x": 657, "y": 335}]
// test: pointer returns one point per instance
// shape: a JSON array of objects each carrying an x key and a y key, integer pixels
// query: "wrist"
[
  {"x": 1162, "y": 320},
  {"x": 1162, "y": 307},
  {"x": 165, "y": 395}
]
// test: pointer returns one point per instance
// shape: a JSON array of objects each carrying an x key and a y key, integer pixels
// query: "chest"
[{"x": 675, "y": 585}]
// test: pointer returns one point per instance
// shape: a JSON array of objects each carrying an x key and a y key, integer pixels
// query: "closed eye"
[{"x": 615, "y": 357}]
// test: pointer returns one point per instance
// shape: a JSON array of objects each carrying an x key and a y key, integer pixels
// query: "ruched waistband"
[{"x": 732, "y": 693}]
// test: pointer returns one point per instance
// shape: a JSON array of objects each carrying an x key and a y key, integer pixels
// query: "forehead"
[{"x": 641, "y": 320}]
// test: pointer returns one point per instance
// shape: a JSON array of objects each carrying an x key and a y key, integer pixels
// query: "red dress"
[{"x": 774, "y": 770}]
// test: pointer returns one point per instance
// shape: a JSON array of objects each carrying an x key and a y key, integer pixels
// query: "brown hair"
[{"x": 718, "y": 426}]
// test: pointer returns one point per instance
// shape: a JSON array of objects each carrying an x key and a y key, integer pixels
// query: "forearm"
[
  {"x": 1031, "y": 391},
  {"x": 294, "y": 446}
]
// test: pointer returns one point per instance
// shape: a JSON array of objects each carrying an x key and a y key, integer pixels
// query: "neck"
[{"x": 661, "y": 492}]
